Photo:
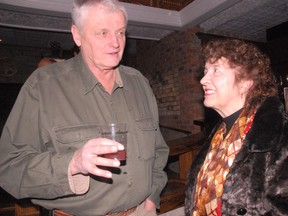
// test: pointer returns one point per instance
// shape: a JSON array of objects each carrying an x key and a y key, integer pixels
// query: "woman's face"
[{"x": 221, "y": 92}]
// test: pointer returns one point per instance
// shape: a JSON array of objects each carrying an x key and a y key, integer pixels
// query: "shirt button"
[
  {"x": 241, "y": 211},
  {"x": 130, "y": 183}
]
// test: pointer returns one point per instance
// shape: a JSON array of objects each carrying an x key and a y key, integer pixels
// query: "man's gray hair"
[{"x": 78, "y": 5}]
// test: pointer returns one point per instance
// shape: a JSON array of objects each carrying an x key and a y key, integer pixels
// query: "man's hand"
[
  {"x": 87, "y": 159},
  {"x": 147, "y": 208},
  {"x": 149, "y": 205}
]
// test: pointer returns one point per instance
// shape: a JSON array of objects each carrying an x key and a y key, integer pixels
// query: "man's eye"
[
  {"x": 121, "y": 33},
  {"x": 102, "y": 33}
]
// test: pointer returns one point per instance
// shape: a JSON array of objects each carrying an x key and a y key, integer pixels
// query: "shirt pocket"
[
  {"x": 73, "y": 137},
  {"x": 146, "y": 133}
]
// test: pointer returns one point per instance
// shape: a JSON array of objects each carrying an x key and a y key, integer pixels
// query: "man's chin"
[{"x": 113, "y": 64}]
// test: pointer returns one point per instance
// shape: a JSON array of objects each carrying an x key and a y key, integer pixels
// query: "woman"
[{"x": 242, "y": 167}]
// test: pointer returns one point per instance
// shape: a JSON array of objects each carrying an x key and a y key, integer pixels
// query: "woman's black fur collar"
[{"x": 268, "y": 126}]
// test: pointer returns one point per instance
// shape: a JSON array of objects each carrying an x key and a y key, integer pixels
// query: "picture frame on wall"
[{"x": 286, "y": 98}]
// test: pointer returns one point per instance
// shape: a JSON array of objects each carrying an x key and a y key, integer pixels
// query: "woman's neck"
[{"x": 230, "y": 120}]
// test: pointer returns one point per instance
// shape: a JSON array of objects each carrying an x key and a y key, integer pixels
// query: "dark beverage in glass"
[{"x": 118, "y": 133}]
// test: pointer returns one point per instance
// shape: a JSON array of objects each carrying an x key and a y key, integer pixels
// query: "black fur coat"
[{"x": 257, "y": 183}]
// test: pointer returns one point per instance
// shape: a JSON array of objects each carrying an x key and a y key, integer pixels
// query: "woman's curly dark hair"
[{"x": 253, "y": 65}]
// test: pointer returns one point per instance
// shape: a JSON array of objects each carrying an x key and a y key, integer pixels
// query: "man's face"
[{"x": 101, "y": 37}]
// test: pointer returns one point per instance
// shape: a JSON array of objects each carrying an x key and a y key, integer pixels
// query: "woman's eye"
[{"x": 216, "y": 70}]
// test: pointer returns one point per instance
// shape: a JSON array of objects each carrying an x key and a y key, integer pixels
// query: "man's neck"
[{"x": 107, "y": 79}]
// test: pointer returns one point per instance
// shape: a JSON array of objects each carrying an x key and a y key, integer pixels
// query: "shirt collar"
[
  {"x": 119, "y": 80},
  {"x": 89, "y": 81}
]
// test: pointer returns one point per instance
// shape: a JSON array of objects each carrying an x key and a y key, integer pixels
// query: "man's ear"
[{"x": 76, "y": 35}]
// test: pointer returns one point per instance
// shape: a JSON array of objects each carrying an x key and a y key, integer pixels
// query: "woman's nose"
[{"x": 204, "y": 79}]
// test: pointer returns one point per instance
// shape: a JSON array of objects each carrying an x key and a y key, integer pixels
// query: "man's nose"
[{"x": 114, "y": 40}]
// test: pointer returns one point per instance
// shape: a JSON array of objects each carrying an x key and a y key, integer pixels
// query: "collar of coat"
[{"x": 269, "y": 126}]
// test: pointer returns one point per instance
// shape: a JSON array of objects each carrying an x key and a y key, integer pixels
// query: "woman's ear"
[
  {"x": 246, "y": 85},
  {"x": 76, "y": 35}
]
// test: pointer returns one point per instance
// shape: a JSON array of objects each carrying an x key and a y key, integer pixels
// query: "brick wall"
[{"x": 173, "y": 67}]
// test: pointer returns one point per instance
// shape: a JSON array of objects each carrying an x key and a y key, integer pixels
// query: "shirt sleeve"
[
  {"x": 27, "y": 167},
  {"x": 78, "y": 183},
  {"x": 159, "y": 177}
]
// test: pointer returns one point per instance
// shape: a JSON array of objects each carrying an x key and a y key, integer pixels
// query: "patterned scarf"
[{"x": 219, "y": 159}]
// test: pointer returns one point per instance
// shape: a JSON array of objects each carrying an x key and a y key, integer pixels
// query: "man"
[{"x": 50, "y": 148}]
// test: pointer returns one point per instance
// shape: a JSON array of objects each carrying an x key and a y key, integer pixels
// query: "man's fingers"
[
  {"x": 106, "y": 146},
  {"x": 103, "y": 162}
]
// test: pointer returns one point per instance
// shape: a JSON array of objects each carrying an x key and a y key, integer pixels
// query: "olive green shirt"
[{"x": 58, "y": 109}]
